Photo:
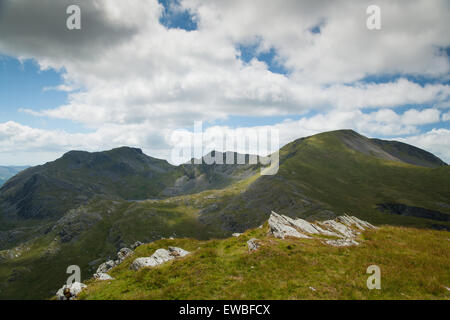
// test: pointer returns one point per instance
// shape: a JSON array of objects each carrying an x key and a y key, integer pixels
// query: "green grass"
[{"x": 415, "y": 264}]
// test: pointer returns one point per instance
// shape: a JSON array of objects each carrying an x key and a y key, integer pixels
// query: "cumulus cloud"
[
  {"x": 446, "y": 116},
  {"x": 132, "y": 80},
  {"x": 436, "y": 141}
]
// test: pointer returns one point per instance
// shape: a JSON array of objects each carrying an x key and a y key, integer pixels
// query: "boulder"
[
  {"x": 350, "y": 221},
  {"x": 177, "y": 252},
  {"x": 252, "y": 244},
  {"x": 339, "y": 227},
  {"x": 136, "y": 244},
  {"x": 70, "y": 292},
  {"x": 281, "y": 228},
  {"x": 123, "y": 254},
  {"x": 236, "y": 234},
  {"x": 106, "y": 266},
  {"x": 159, "y": 257},
  {"x": 103, "y": 276}
]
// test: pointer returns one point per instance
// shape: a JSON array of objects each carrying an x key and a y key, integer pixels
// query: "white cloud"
[
  {"x": 132, "y": 81},
  {"x": 446, "y": 116},
  {"x": 436, "y": 141}
]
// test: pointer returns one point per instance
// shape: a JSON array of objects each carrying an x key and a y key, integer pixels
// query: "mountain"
[
  {"x": 341, "y": 171},
  {"x": 82, "y": 208},
  {"x": 48, "y": 191},
  {"x": 8, "y": 172}
]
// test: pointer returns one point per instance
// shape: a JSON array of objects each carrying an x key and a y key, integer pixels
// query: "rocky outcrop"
[
  {"x": 281, "y": 227},
  {"x": 136, "y": 244},
  {"x": 105, "y": 267},
  {"x": 345, "y": 228},
  {"x": 123, "y": 254},
  {"x": 70, "y": 292},
  {"x": 159, "y": 257},
  {"x": 108, "y": 265}
]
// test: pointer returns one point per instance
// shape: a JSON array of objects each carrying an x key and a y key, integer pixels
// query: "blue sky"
[
  {"x": 25, "y": 86},
  {"x": 159, "y": 66}
]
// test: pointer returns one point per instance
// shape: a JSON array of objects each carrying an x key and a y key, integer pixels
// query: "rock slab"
[{"x": 159, "y": 257}]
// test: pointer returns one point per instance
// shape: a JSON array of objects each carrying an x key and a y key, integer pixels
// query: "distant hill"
[
  {"x": 83, "y": 207},
  {"x": 49, "y": 190},
  {"x": 7, "y": 172}
]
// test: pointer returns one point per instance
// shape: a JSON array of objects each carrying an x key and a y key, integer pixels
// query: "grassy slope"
[
  {"x": 415, "y": 264},
  {"x": 351, "y": 181}
]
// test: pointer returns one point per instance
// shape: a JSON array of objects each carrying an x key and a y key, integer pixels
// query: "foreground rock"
[
  {"x": 346, "y": 228},
  {"x": 159, "y": 257},
  {"x": 252, "y": 244},
  {"x": 108, "y": 265},
  {"x": 136, "y": 244},
  {"x": 103, "y": 276},
  {"x": 70, "y": 292},
  {"x": 123, "y": 254}
]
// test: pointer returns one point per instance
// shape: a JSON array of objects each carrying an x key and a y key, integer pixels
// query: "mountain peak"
[{"x": 384, "y": 149}]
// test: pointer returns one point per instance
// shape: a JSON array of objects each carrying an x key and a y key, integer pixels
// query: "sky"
[{"x": 138, "y": 71}]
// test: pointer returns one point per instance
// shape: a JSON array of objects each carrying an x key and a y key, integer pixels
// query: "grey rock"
[
  {"x": 345, "y": 228},
  {"x": 281, "y": 227},
  {"x": 123, "y": 254},
  {"x": 70, "y": 292},
  {"x": 339, "y": 227},
  {"x": 159, "y": 257},
  {"x": 103, "y": 276},
  {"x": 236, "y": 234},
  {"x": 136, "y": 244},
  {"x": 177, "y": 252},
  {"x": 252, "y": 244},
  {"x": 106, "y": 266}
]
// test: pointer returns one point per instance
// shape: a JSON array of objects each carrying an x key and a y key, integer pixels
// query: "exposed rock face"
[
  {"x": 70, "y": 292},
  {"x": 123, "y": 254},
  {"x": 281, "y": 227},
  {"x": 105, "y": 267},
  {"x": 345, "y": 228},
  {"x": 252, "y": 244},
  {"x": 159, "y": 257}
]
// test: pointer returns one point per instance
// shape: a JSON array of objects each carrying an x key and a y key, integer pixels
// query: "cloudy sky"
[{"x": 140, "y": 69}]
